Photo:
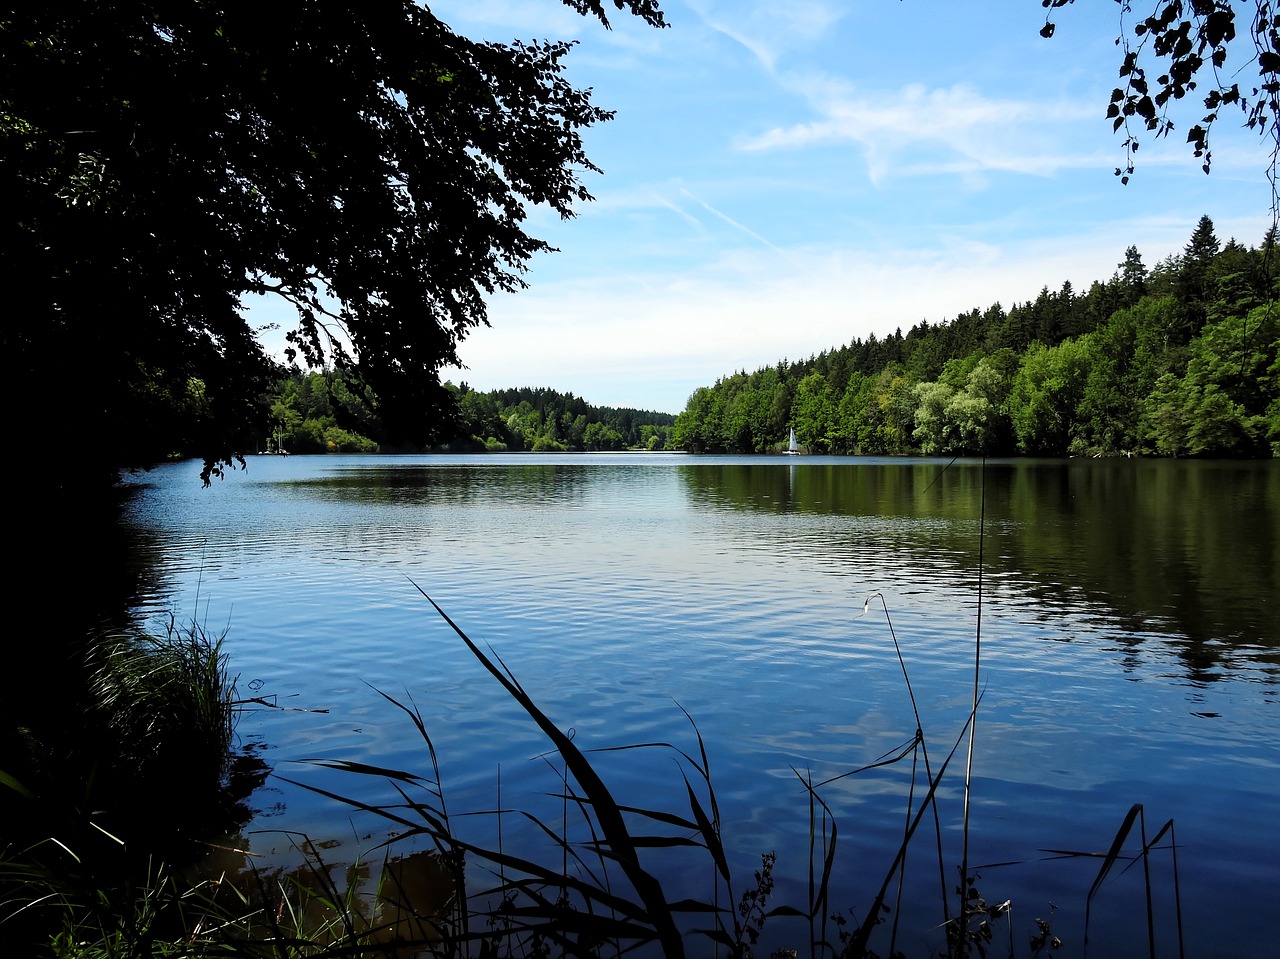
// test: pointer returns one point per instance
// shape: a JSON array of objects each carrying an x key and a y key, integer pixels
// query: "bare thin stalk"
[
  {"x": 902, "y": 874},
  {"x": 1146, "y": 879},
  {"x": 1177, "y": 888},
  {"x": 973, "y": 715},
  {"x": 924, "y": 750}
]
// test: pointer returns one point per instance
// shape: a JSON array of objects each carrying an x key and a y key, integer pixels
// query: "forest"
[
  {"x": 1180, "y": 359},
  {"x": 323, "y": 412},
  {"x": 1176, "y": 360}
]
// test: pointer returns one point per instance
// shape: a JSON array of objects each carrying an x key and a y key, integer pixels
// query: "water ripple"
[{"x": 615, "y": 591}]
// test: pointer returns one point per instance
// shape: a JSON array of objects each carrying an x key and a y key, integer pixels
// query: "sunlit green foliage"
[
  {"x": 1179, "y": 360},
  {"x": 815, "y": 414},
  {"x": 544, "y": 420},
  {"x": 323, "y": 413},
  {"x": 1045, "y": 396},
  {"x": 319, "y": 413},
  {"x": 1225, "y": 404}
]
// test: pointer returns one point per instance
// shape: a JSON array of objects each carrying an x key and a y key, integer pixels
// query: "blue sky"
[{"x": 783, "y": 177}]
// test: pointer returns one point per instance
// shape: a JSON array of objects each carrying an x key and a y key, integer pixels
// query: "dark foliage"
[
  {"x": 1185, "y": 48},
  {"x": 162, "y": 161}
]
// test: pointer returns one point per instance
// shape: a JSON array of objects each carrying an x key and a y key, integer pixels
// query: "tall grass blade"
[
  {"x": 1177, "y": 892},
  {"x": 439, "y": 818},
  {"x": 602, "y": 801},
  {"x": 977, "y": 674},
  {"x": 819, "y": 891},
  {"x": 1109, "y": 860},
  {"x": 710, "y": 838},
  {"x": 11, "y": 783},
  {"x": 1146, "y": 885},
  {"x": 902, "y": 873},
  {"x": 924, "y": 750},
  {"x": 1177, "y": 887},
  {"x": 857, "y": 946}
]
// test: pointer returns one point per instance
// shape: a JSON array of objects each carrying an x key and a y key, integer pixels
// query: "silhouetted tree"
[{"x": 165, "y": 161}]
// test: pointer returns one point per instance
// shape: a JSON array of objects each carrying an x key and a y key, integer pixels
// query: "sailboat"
[{"x": 792, "y": 448}]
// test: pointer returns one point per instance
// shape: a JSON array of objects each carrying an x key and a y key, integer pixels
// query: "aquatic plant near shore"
[
  {"x": 167, "y": 703},
  {"x": 600, "y": 897},
  {"x": 99, "y": 814}
]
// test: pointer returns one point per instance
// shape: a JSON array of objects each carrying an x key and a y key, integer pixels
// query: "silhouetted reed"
[
  {"x": 602, "y": 896},
  {"x": 599, "y": 894}
]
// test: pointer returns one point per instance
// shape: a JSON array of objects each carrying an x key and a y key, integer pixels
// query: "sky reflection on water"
[{"x": 617, "y": 587}]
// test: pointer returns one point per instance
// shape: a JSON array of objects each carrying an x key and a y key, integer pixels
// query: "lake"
[{"x": 1130, "y": 653}]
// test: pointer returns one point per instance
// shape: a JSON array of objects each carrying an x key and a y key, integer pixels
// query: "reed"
[
  {"x": 101, "y": 815},
  {"x": 168, "y": 704},
  {"x": 601, "y": 896},
  {"x": 1115, "y": 853}
]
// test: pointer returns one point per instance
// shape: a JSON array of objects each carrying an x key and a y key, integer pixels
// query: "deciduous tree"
[
  {"x": 1045, "y": 396},
  {"x": 163, "y": 160},
  {"x": 1225, "y": 54}
]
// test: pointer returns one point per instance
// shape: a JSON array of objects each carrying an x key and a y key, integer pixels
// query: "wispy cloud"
[
  {"x": 631, "y": 336},
  {"x": 730, "y": 220},
  {"x": 917, "y": 129},
  {"x": 768, "y": 30}
]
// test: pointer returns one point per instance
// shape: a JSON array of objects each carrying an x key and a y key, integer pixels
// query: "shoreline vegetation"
[
  {"x": 1182, "y": 359},
  {"x": 108, "y": 877},
  {"x": 319, "y": 413},
  {"x": 107, "y": 798},
  {"x": 1179, "y": 360}
]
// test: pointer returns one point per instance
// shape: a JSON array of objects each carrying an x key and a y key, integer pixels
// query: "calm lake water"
[{"x": 1130, "y": 631}]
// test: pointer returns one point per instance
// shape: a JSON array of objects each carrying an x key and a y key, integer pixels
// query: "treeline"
[
  {"x": 1178, "y": 360},
  {"x": 544, "y": 420},
  {"x": 323, "y": 413}
]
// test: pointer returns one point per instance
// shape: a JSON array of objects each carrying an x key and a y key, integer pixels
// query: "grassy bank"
[{"x": 107, "y": 802}]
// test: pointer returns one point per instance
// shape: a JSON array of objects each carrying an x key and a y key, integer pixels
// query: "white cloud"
[
  {"x": 769, "y": 31},
  {"x": 782, "y": 191},
  {"x": 648, "y": 340},
  {"x": 957, "y": 129}
]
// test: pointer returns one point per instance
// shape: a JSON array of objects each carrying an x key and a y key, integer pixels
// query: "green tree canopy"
[
  {"x": 1122, "y": 369},
  {"x": 164, "y": 160}
]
